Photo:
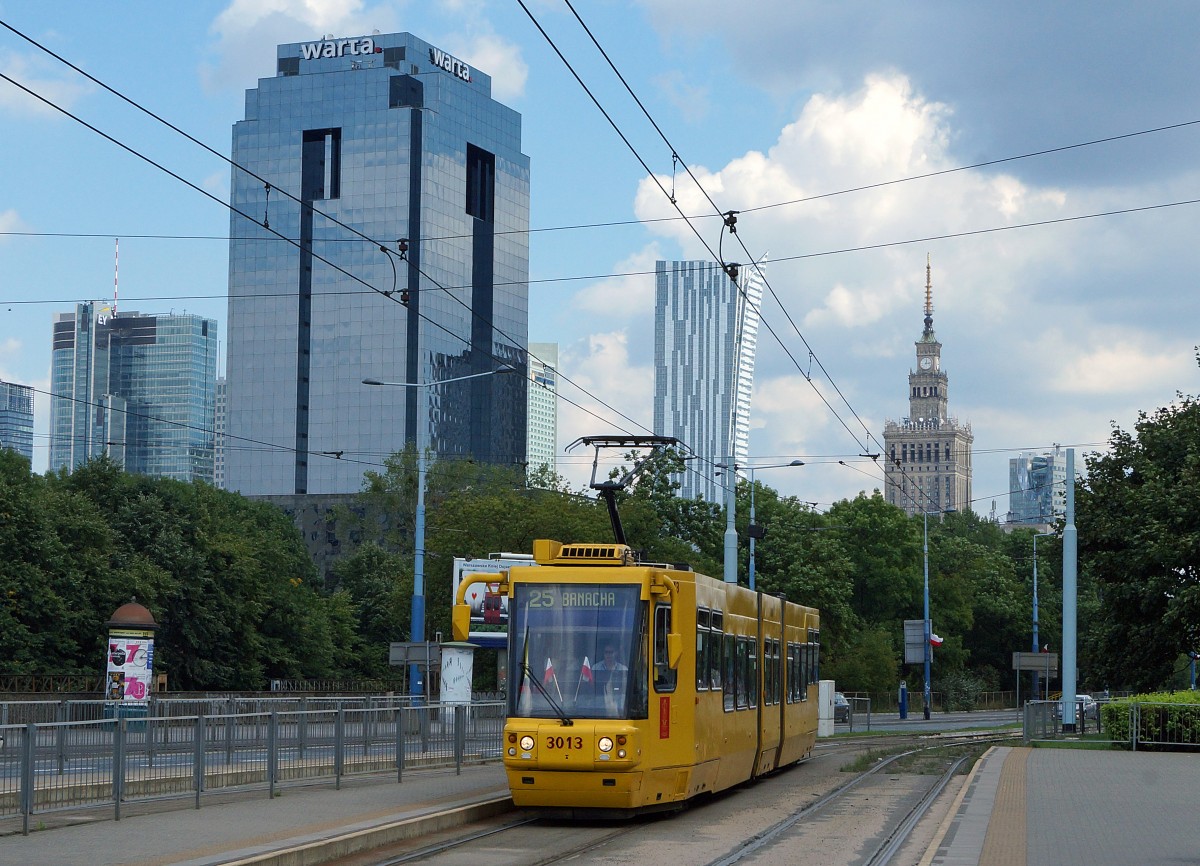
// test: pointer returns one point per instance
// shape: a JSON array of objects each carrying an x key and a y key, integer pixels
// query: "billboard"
[{"x": 489, "y": 607}]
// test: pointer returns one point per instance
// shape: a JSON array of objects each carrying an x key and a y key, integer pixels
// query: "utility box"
[{"x": 825, "y": 690}]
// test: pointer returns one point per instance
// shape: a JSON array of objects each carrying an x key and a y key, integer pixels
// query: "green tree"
[{"x": 1139, "y": 542}]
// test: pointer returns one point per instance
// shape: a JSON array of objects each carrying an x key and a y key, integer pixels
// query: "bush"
[
  {"x": 1166, "y": 720},
  {"x": 960, "y": 691}
]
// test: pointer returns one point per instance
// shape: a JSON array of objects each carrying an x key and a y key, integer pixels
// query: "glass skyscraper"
[
  {"x": 705, "y": 340},
  {"x": 355, "y": 145},
  {"x": 138, "y": 388},
  {"x": 542, "y": 447},
  {"x": 16, "y": 418},
  {"x": 1037, "y": 487}
]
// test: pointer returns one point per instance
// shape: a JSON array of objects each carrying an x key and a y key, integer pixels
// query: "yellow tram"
[{"x": 637, "y": 686}]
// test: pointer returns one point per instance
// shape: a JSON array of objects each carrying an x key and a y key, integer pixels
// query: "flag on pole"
[
  {"x": 549, "y": 674},
  {"x": 585, "y": 673},
  {"x": 934, "y": 639}
]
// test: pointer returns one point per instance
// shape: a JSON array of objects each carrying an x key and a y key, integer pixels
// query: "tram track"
[{"x": 530, "y": 840}]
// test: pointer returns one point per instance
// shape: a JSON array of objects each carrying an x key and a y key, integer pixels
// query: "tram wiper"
[{"x": 558, "y": 710}]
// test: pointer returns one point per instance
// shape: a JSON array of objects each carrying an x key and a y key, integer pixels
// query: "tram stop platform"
[{"x": 1018, "y": 807}]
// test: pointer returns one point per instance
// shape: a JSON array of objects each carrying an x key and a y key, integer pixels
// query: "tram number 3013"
[{"x": 564, "y": 743}]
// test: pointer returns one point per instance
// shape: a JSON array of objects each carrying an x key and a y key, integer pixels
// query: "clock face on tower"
[{"x": 926, "y": 363}]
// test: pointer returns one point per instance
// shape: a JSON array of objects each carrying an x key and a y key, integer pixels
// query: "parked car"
[
  {"x": 841, "y": 708},
  {"x": 1085, "y": 708}
]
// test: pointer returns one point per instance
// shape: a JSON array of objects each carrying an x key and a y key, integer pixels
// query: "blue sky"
[{"x": 1049, "y": 332}]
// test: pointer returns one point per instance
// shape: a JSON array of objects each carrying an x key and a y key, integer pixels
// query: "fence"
[
  {"x": 90, "y": 754},
  {"x": 1137, "y": 724}
]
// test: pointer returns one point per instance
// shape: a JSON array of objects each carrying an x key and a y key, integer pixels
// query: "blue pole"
[
  {"x": 928, "y": 694},
  {"x": 730, "y": 531},
  {"x": 1070, "y": 567},
  {"x": 751, "y": 469}
]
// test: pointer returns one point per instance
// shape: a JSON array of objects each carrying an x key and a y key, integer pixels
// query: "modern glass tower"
[
  {"x": 138, "y": 388},
  {"x": 1037, "y": 487},
  {"x": 16, "y": 418},
  {"x": 705, "y": 338},
  {"x": 542, "y": 447},
  {"x": 355, "y": 145}
]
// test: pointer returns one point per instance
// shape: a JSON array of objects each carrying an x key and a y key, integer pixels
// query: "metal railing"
[
  {"x": 1140, "y": 724},
  {"x": 187, "y": 748}
]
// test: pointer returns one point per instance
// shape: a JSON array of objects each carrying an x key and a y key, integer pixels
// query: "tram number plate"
[
  {"x": 664, "y": 718},
  {"x": 564, "y": 744}
]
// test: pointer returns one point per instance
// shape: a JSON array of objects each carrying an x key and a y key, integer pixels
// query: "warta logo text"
[
  {"x": 451, "y": 64},
  {"x": 338, "y": 48}
]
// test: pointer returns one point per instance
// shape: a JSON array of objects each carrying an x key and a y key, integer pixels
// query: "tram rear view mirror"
[
  {"x": 460, "y": 619},
  {"x": 674, "y": 649}
]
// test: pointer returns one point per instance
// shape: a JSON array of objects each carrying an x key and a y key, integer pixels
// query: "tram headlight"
[
  {"x": 527, "y": 743},
  {"x": 620, "y": 753},
  {"x": 604, "y": 744}
]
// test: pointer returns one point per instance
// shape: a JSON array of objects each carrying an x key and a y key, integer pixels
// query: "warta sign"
[
  {"x": 451, "y": 64},
  {"x": 339, "y": 48}
]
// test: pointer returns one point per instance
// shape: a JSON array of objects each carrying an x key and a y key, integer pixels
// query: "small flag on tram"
[
  {"x": 549, "y": 674},
  {"x": 585, "y": 673},
  {"x": 934, "y": 639}
]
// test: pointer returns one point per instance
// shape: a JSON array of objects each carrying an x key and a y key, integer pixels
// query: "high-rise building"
[
  {"x": 705, "y": 337},
  {"x": 1037, "y": 491},
  {"x": 139, "y": 388},
  {"x": 928, "y": 454},
  {"x": 16, "y": 418},
  {"x": 397, "y": 200},
  {"x": 219, "y": 444},
  {"x": 542, "y": 446}
]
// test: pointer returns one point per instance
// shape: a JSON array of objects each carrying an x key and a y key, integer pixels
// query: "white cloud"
[
  {"x": 41, "y": 78},
  {"x": 623, "y": 298},
  {"x": 10, "y": 221},
  {"x": 502, "y": 60}
]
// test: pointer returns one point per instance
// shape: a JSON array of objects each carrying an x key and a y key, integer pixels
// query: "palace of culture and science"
[{"x": 928, "y": 465}]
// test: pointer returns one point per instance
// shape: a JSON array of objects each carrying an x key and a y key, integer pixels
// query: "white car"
[{"x": 1085, "y": 707}]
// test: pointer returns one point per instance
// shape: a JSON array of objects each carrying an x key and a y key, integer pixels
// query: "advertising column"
[{"x": 130, "y": 663}]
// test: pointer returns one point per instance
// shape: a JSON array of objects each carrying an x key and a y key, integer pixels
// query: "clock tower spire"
[{"x": 929, "y": 452}]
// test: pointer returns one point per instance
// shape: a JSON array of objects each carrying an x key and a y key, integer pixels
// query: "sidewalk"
[
  {"x": 296, "y": 827},
  {"x": 1073, "y": 807}
]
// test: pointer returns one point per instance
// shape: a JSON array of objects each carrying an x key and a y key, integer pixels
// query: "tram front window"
[{"x": 578, "y": 650}]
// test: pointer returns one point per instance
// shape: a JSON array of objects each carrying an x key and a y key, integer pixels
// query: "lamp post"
[
  {"x": 1037, "y": 695},
  {"x": 753, "y": 530},
  {"x": 415, "y": 684},
  {"x": 928, "y": 630}
]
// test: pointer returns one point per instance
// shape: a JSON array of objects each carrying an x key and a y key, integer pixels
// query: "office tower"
[
  {"x": 380, "y": 231},
  {"x": 927, "y": 463},
  {"x": 542, "y": 446},
  {"x": 16, "y": 418},
  {"x": 138, "y": 388},
  {"x": 219, "y": 444},
  {"x": 1037, "y": 492},
  {"x": 705, "y": 337}
]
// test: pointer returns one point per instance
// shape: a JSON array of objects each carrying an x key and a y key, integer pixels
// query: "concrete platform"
[{"x": 1019, "y": 807}]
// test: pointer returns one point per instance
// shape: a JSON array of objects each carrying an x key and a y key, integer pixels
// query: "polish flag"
[
  {"x": 934, "y": 639},
  {"x": 585, "y": 673},
  {"x": 549, "y": 674}
]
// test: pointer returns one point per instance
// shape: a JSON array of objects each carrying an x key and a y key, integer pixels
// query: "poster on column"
[{"x": 130, "y": 665}]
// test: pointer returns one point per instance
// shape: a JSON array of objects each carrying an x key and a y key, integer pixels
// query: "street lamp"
[
  {"x": 754, "y": 531},
  {"x": 415, "y": 684},
  {"x": 1036, "y": 693},
  {"x": 928, "y": 634}
]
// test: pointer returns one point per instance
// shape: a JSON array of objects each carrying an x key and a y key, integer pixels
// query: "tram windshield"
[{"x": 578, "y": 650}]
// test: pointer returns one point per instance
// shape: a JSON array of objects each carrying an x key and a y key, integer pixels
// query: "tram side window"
[
  {"x": 729, "y": 667},
  {"x": 703, "y": 647},
  {"x": 794, "y": 672},
  {"x": 773, "y": 674},
  {"x": 714, "y": 650},
  {"x": 768, "y": 668},
  {"x": 664, "y": 675},
  {"x": 752, "y": 671},
  {"x": 743, "y": 673}
]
